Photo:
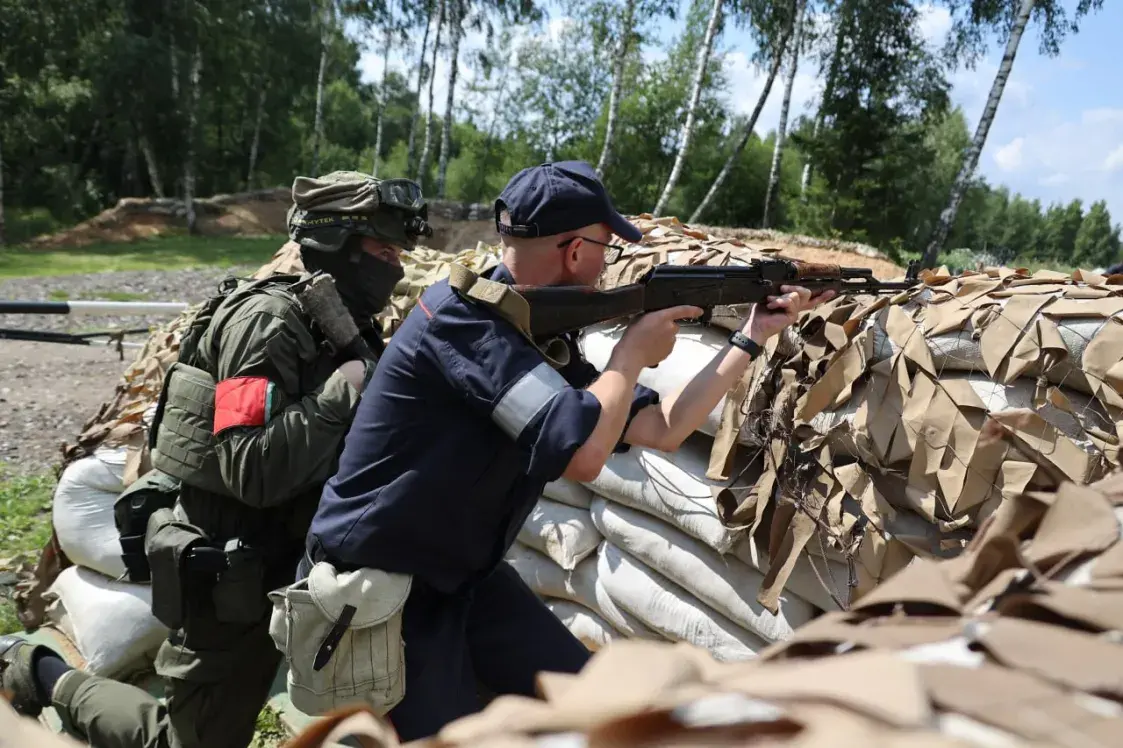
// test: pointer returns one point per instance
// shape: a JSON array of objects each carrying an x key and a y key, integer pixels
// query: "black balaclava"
[{"x": 364, "y": 282}]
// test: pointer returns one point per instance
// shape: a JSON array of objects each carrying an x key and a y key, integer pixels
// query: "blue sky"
[{"x": 1058, "y": 134}]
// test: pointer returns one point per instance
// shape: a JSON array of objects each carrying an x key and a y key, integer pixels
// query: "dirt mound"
[
  {"x": 456, "y": 226},
  {"x": 257, "y": 213},
  {"x": 260, "y": 213}
]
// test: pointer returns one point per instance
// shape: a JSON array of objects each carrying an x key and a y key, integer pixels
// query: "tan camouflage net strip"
[
  {"x": 1013, "y": 643},
  {"x": 879, "y": 429}
]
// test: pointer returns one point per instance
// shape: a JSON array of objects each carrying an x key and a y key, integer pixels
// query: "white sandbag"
[
  {"x": 593, "y": 631},
  {"x": 564, "y": 533},
  {"x": 670, "y": 610},
  {"x": 112, "y": 622},
  {"x": 82, "y": 511},
  {"x": 568, "y": 492},
  {"x": 725, "y": 584},
  {"x": 962, "y": 350},
  {"x": 694, "y": 348},
  {"x": 804, "y": 580},
  {"x": 995, "y": 397},
  {"x": 671, "y": 486},
  {"x": 548, "y": 580}
]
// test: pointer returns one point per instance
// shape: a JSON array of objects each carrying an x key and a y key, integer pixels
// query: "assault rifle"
[{"x": 555, "y": 310}]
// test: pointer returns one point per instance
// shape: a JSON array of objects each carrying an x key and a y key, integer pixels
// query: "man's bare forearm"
[
  {"x": 613, "y": 389},
  {"x": 666, "y": 425}
]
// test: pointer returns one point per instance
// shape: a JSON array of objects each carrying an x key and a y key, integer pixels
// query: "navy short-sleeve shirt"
[{"x": 460, "y": 428}]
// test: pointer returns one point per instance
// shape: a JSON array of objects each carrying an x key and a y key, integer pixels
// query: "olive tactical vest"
[{"x": 181, "y": 439}]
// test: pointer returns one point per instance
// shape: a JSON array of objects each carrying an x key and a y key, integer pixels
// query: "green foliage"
[
  {"x": 91, "y": 89},
  {"x": 270, "y": 731},
  {"x": 164, "y": 253},
  {"x": 25, "y": 505},
  {"x": 1097, "y": 241}
]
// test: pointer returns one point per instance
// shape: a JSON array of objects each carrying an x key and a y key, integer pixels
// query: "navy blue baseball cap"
[{"x": 553, "y": 198}]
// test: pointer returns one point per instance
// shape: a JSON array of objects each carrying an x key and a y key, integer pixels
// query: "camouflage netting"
[
  {"x": 884, "y": 429},
  {"x": 896, "y": 426},
  {"x": 1013, "y": 643}
]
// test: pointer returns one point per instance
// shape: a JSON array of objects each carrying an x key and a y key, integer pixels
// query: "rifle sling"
[{"x": 508, "y": 304}]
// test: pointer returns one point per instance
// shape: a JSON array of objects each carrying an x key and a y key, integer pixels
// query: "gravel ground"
[{"x": 49, "y": 390}]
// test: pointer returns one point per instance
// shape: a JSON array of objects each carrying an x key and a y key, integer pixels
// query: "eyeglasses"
[{"x": 612, "y": 251}]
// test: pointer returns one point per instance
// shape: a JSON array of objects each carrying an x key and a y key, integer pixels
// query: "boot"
[{"x": 17, "y": 678}]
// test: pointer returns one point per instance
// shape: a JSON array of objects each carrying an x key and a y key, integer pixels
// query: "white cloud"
[
  {"x": 746, "y": 82},
  {"x": 1059, "y": 158},
  {"x": 1054, "y": 180},
  {"x": 1114, "y": 160},
  {"x": 935, "y": 21},
  {"x": 1009, "y": 156}
]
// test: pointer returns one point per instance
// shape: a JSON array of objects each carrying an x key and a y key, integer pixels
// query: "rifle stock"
[{"x": 555, "y": 310}]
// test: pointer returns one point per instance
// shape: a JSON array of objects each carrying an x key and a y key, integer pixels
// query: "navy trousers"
[{"x": 499, "y": 635}]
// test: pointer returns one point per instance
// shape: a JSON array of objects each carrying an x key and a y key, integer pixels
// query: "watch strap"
[{"x": 737, "y": 339}]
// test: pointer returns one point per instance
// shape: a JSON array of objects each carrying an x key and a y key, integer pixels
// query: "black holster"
[{"x": 152, "y": 491}]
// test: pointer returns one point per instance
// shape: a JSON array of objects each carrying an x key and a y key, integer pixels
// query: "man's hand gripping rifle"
[{"x": 555, "y": 310}]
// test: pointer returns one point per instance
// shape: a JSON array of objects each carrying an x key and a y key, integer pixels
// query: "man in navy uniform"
[{"x": 468, "y": 417}]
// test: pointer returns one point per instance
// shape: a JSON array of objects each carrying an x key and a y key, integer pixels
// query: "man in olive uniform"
[{"x": 281, "y": 396}]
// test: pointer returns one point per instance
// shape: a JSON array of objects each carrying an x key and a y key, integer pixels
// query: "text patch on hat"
[{"x": 241, "y": 401}]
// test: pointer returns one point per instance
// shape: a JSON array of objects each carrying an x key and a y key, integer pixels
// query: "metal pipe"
[{"x": 91, "y": 307}]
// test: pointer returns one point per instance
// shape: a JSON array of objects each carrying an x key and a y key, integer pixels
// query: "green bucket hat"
[{"x": 327, "y": 210}]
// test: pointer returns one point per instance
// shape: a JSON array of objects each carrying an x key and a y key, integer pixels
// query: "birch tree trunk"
[
  {"x": 417, "y": 93},
  {"x": 828, "y": 91},
  {"x": 256, "y": 142},
  {"x": 423, "y": 163},
  {"x": 192, "y": 122},
  {"x": 735, "y": 156},
  {"x": 617, "y": 85},
  {"x": 318, "y": 126},
  {"x": 3, "y": 239},
  {"x": 489, "y": 142},
  {"x": 150, "y": 163},
  {"x": 971, "y": 159},
  {"x": 695, "y": 96},
  {"x": 386, "y": 42},
  {"x": 455, "y": 21},
  {"x": 782, "y": 128}
]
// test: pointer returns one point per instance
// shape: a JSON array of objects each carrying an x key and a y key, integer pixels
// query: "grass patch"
[
  {"x": 162, "y": 253},
  {"x": 25, "y": 519},
  {"x": 25, "y": 516},
  {"x": 271, "y": 731},
  {"x": 64, "y": 295}
]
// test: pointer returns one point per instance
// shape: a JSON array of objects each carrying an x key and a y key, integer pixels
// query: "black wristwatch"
[{"x": 745, "y": 343}]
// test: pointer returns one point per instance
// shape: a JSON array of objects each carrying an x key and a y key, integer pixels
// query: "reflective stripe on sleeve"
[{"x": 526, "y": 398}]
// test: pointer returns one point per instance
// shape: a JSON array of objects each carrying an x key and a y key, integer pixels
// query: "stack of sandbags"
[
  {"x": 667, "y": 559},
  {"x": 1013, "y": 643},
  {"x": 109, "y": 621}
]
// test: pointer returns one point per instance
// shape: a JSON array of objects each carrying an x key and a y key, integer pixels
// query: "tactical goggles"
[{"x": 400, "y": 193}]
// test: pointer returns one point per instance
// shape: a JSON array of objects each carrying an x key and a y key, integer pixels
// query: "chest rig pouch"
[
  {"x": 341, "y": 636},
  {"x": 181, "y": 440},
  {"x": 508, "y": 304}
]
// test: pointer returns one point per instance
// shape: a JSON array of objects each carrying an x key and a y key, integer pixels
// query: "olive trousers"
[{"x": 216, "y": 677}]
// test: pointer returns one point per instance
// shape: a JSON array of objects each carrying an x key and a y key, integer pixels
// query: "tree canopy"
[{"x": 105, "y": 99}]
